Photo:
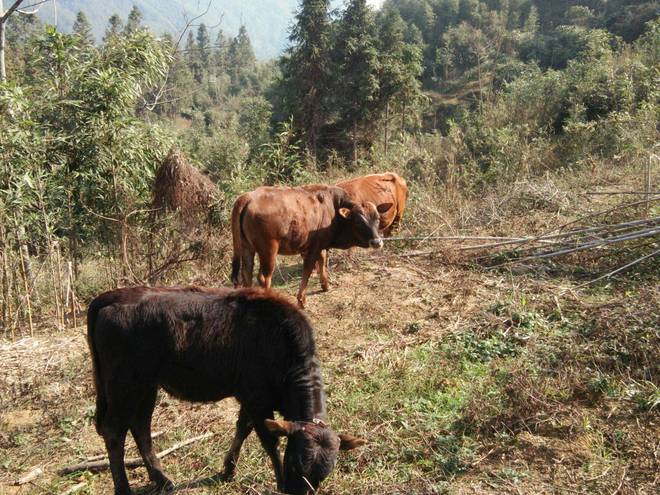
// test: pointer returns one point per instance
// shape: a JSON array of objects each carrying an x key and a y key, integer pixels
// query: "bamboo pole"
[
  {"x": 621, "y": 269},
  {"x": 26, "y": 286},
  {"x": 6, "y": 282},
  {"x": 60, "y": 286},
  {"x": 50, "y": 244},
  {"x": 70, "y": 292},
  {"x": 589, "y": 245},
  {"x": 652, "y": 158}
]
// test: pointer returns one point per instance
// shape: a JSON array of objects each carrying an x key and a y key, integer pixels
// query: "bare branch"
[
  {"x": 189, "y": 23},
  {"x": 10, "y": 11}
]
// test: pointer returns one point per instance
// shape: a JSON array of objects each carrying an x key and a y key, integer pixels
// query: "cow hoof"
[
  {"x": 325, "y": 287},
  {"x": 301, "y": 303},
  {"x": 165, "y": 485},
  {"x": 226, "y": 475}
]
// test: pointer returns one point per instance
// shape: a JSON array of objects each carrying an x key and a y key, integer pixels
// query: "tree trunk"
[
  {"x": 355, "y": 147},
  {"x": 6, "y": 281},
  {"x": 403, "y": 118},
  {"x": 4, "y": 16},
  {"x": 387, "y": 130},
  {"x": 3, "y": 69}
]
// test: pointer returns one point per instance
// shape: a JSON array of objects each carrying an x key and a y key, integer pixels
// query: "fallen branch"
[
  {"x": 623, "y": 477},
  {"x": 132, "y": 462},
  {"x": 35, "y": 473},
  {"x": 641, "y": 193},
  {"x": 596, "y": 244},
  {"x": 593, "y": 232},
  {"x": 451, "y": 238},
  {"x": 98, "y": 457},
  {"x": 620, "y": 269}
]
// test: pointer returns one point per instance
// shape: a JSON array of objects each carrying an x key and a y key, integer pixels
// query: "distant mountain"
[{"x": 267, "y": 21}]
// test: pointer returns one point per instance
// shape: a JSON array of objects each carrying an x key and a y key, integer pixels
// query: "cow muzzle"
[{"x": 376, "y": 243}]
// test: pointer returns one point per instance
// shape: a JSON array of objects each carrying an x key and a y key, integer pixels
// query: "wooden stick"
[
  {"x": 35, "y": 473},
  {"x": 98, "y": 457},
  {"x": 451, "y": 238},
  {"x": 641, "y": 193},
  {"x": 130, "y": 463},
  {"x": 589, "y": 245},
  {"x": 519, "y": 240},
  {"x": 620, "y": 269},
  {"x": 545, "y": 240},
  {"x": 652, "y": 158},
  {"x": 623, "y": 477}
]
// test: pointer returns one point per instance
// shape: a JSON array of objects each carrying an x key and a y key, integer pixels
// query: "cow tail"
[
  {"x": 401, "y": 202},
  {"x": 101, "y": 399},
  {"x": 237, "y": 236}
]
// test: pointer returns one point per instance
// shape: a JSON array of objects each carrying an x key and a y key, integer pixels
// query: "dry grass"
[{"x": 464, "y": 379}]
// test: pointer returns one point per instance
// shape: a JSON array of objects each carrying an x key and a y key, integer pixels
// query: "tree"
[
  {"x": 177, "y": 93},
  {"x": 20, "y": 29},
  {"x": 4, "y": 17},
  {"x": 192, "y": 57},
  {"x": 306, "y": 70},
  {"x": 203, "y": 46},
  {"x": 83, "y": 28},
  {"x": 356, "y": 57},
  {"x": 400, "y": 66},
  {"x": 115, "y": 26},
  {"x": 220, "y": 53},
  {"x": 241, "y": 55},
  {"x": 134, "y": 21}
]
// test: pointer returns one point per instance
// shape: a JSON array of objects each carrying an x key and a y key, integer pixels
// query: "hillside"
[{"x": 267, "y": 21}]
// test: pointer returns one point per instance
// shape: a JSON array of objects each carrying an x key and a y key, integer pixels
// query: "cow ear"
[
  {"x": 344, "y": 212},
  {"x": 280, "y": 428},
  {"x": 349, "y": 442},
  {"x": 383, "y": 207}
]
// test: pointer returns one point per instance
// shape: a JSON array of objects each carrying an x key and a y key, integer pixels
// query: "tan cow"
[
  {"x": 298, "y": 220},
  {"x": 380, "y": 189}
]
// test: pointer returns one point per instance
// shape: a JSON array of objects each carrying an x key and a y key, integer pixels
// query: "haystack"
[{"x": 180, "y": 186}]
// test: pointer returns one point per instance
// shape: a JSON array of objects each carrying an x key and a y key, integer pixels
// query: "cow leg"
[
  {"x": 113, "y": 430},
  {"x": 243, "y": 429},
  {"x": 269, "y": 442},
  {"x": 308, "y": 268},
  {"x": 322, "y": 267},
  {"x": 114, "y": 443},
  {"x": 247, "y": 267},
  {"x": 141, "y": 430},
  {"x": 267, "y": 262},
  {"x": 394, "y": 226}
]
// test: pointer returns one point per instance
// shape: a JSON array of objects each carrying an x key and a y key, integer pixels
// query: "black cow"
[{"x": 206, "y": 345}]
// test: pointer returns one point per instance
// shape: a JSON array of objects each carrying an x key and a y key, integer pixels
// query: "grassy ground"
[{"x": 464, "y": 379}]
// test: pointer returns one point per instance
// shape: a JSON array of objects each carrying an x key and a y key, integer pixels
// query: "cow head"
[
  {"x": 364, "y": 220},
  {"x": 311, "y": 452}
]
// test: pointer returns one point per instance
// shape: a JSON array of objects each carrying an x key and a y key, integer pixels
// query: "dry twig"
[{"x": 130, "y": 463}]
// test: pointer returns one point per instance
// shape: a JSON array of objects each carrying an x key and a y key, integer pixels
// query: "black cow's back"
[{"x": 200, "y": 345}]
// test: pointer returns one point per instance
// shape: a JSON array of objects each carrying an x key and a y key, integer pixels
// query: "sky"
[{"x": 375, "y": 3}]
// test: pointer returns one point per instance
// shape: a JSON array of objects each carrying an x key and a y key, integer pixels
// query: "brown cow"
[
  {"x": 298, "y": 220},
  {"x": 380, "y": 189},
  {"x": 204, "y": 345}
]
